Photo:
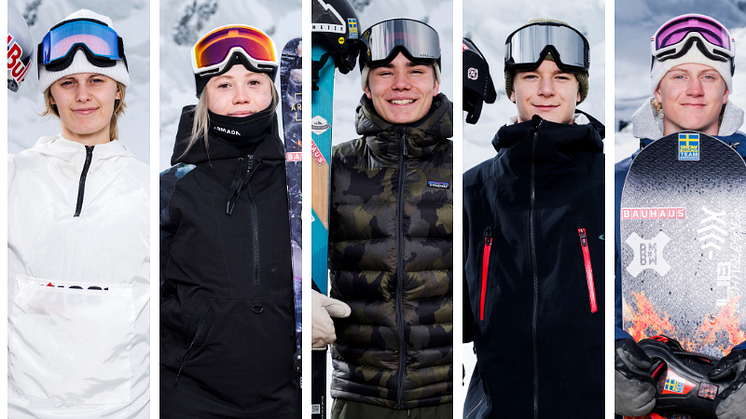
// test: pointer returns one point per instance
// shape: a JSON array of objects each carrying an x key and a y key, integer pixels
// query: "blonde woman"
[
  {"x": 78, "y": 242},
  {"x": 227, "y": 310}
]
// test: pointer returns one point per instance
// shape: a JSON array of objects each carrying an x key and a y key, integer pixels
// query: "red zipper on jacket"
[
  {"x": 588, "y": 268},
  {"x": 485, "y": 269}
]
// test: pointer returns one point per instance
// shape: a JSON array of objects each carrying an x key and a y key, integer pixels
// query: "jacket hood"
[
  {"x": 421, "y": 137},
  {"x": 647, "y": 123},
  {"x": 217, "y": 147}
]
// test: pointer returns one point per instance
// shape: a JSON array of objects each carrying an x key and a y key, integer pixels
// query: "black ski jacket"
[
  {"x": 391, "y": 260},
  {"x": 534, "y": 273},
  {"x": 227, "y": 310}
]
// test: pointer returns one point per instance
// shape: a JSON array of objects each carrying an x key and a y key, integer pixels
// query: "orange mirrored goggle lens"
[{"x": 214, "y": 47}]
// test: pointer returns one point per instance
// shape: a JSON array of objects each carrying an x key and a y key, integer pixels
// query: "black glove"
[
  {"x": 731, "y": 402},
  {"x": 635, "y": 388}
]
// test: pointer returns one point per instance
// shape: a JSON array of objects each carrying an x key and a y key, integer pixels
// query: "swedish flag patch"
[
  {"x": 674, "y": 385},
  {"x": 352, "y": 26},
  {"x": 688, "y": 147}
]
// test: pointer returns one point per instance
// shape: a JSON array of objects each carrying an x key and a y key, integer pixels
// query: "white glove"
[{"x": 324, "y": 308}]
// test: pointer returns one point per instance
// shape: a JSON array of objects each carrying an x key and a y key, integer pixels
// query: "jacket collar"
[
  {"x": 647, "y": 123},
  {"x": 270, "y": 147},
  {"x": 60, "y": 147},
  {"x": 554, "y": 136},
  {"x": 553, "y": 149},
  {"x": 421, "y": 137}
]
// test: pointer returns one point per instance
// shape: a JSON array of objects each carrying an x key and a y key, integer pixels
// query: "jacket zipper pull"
[
  {"x": 250, "y": 159},
  {"x": 485, "y": 269},
  {"x": 83, "y": 176},
  {"x": 588, "y": 268},
  {"x": 235, "y": 188}
]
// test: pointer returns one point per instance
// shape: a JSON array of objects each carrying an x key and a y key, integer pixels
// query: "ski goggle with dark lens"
[
  {"x": 528, "y": 46},
  {"x": 678, "y": 35},
  {"x": 101, "y": 44},
  {"x": 383, "y": 41},
  {"x": 214, "y": 51}
]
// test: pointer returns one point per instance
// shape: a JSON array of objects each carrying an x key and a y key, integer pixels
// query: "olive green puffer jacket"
[{"x": 391, "y": 260}]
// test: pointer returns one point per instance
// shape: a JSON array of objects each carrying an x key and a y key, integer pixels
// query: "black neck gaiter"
[{"x": 245, "y": 132}]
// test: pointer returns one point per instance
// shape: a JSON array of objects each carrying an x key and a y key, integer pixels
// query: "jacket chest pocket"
[
  {"x": 585, "y": 249},
  {"x": 71, "y": 344}
]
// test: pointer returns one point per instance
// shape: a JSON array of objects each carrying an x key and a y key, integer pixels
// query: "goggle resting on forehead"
[
  {"x": 383, "y": 41},
  {"x": 528, "y": 46},
  {"x": 101, "y": 44},
  {"x": 678, "y": 35},
  {"x": 216, "y": 50}
]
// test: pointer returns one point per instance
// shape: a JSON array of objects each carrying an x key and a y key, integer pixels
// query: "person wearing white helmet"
[
  {"x": 78, "y": 240},
  {"x": 691, "y": 79}
]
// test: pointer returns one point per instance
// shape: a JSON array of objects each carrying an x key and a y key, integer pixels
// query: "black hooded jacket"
[
  {"x": 227, "y": 310},
  {"x": 534, "y": 273}
]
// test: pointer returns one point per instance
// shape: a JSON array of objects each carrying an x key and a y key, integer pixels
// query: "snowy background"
[
  {"x": 183, "y": 22},
  {"x": 489, "y": 31},
  {"x": 347, "y": 91},
  {"x": 131, "y": 21},
  {"x": 636, "y": 22}
]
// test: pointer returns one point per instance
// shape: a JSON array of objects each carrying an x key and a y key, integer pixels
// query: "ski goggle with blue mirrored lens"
[
  {"x": 527, "y": 47},
  {"x": 101, "y": 44},
  {"x": 418, "y": 41},
  {"x": 678, "y": 35},
  {"x": 214, "y": 51}
]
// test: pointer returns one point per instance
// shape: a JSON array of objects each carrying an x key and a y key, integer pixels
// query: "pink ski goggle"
[{"x": 679, "y": 34}]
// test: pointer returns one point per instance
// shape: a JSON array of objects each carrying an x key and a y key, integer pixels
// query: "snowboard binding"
[{"x": 682, "y": 382}]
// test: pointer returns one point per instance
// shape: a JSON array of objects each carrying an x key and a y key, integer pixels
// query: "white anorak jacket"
[{"x": 78, "y": 288}]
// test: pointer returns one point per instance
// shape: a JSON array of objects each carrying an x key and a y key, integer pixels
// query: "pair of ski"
[{"x": 321, "y": 144}]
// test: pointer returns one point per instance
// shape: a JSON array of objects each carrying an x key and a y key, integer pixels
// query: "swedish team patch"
[
  {"x": 674, "y": 385},
  {"x": 688, "y": 147},
  {"x": 352, "y": 27},
  {"x": 439, "y": 185}
]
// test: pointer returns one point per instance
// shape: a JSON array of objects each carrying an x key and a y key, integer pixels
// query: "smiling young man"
[
  {"x": 533, "y": 240},
  {"x": 391, "y": 234},
  {"x": 689, "y": 90}
]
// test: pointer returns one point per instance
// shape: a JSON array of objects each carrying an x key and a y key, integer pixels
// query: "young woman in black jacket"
[{"x": 227, "y": 312}]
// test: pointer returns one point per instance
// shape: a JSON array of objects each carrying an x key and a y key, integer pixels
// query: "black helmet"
[
  {"x": 478, "y": 86},
  {"x": 337, "y": 21}
]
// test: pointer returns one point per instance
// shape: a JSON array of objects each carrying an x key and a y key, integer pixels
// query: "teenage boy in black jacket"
[{"x": 533, "y": 240}]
